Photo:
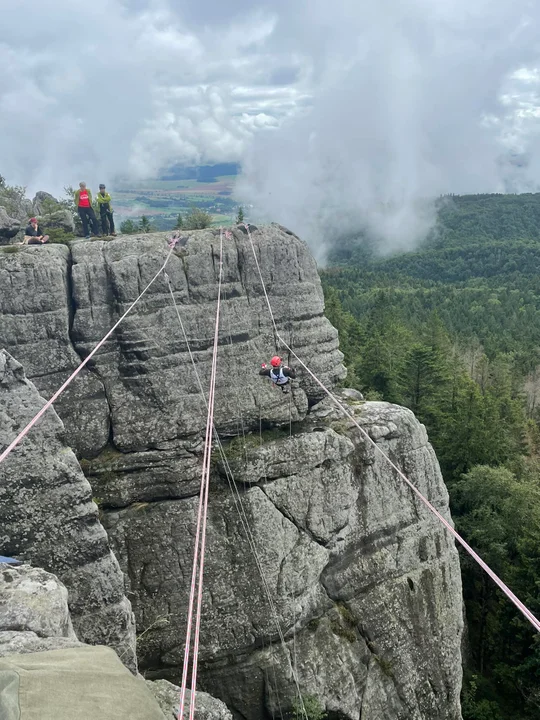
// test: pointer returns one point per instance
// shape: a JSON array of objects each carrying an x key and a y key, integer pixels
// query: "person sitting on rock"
[
  {"x": 279, "y": 374},
  {"x": 105, "y": 211},
  {"x": 33, "y": 235},
  {"x": 83, "y": 201}
]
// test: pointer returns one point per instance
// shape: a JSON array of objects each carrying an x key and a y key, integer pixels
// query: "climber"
[
  {"x": 33, "y": 234},
  {"x": 279, "y": 374},
  {"x": 105, "y": 211},
  {"x": 83, "y": 201}
]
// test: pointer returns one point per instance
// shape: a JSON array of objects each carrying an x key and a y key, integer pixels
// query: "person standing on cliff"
[
  {"x": 83, "y": 201},
  {"x": 105, "y": 211},
  {"x": 279, "y": 374}
]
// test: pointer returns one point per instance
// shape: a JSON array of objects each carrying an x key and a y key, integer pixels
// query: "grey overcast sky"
[{"x": 339, "y": 111}]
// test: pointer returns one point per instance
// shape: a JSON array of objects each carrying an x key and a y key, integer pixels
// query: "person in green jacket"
[{"x": 105, "y": 211}]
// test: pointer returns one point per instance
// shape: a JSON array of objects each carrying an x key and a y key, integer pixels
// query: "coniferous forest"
[{"x": 452, "y": 331}]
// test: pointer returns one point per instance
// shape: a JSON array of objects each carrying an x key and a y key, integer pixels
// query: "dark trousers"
[
  {"x": 88, "y": 217},
  {"x": 107, "y": 222}
]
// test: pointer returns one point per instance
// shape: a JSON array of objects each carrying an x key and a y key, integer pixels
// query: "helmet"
[{"x": 275, "y": 361}]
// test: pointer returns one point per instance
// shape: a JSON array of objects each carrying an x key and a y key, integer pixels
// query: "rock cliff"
[
  {"x": 365, "y": 584},
  {"x": 47, "y": 517}
]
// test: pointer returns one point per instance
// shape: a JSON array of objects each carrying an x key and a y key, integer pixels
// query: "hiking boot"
[{"x": 87, "y": 237}]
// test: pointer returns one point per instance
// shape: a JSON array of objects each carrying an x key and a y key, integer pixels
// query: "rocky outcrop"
[
  {"x": 47, "y": 517},
  {"x": 36, "y": 312},
  {"x": 168, "y": 697},
  {"x": 42, "y": 202},
  {"x": 51, "y": 214},
  {"x": 363, "y": 581},
  {"x": 9, "y": 227},
  {"x": 140, "y": 391},
  {"x": 34, "y": 613}
]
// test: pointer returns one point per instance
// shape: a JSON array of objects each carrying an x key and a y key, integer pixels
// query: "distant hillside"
[
  {"x": 452, "y": 330},
  {"x": 202, "y": 173}
]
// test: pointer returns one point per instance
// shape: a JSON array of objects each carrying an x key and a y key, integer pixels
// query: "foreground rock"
[
  {"x": 47, "y": 517},
  {"x": 72, "y": 683},
  {"x": 34, "y": 613},
  {"x": 168, "y": 697}
]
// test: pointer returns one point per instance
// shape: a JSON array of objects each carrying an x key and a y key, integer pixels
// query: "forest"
[{"x": 452, "y": 331}]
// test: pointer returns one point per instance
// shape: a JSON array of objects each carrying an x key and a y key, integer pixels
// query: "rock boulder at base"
[
  {"x": 34, "y": 613},
  {"x": 206, "y": 707},
  {"x": 72, "y": 684},
  {"x": 47, "y": 517}
]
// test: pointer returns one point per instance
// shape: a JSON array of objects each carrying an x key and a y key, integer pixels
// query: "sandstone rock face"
[
  {"x": 36, "y": 312},
  {"x": 141, "y": 391},
  {"x": 48, "y": 518},
  {"x": 364, "y": 583}
]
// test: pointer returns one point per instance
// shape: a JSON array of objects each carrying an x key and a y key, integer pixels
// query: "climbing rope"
[
  {"x": 200, "y": 538},
  {"x": 239, "y": 506},
  {"x": 496, "y": 579},
  {"x": 78, "y": 369}
]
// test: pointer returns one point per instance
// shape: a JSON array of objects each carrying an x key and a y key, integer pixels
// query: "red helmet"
[{"x": 275, "y": 361}]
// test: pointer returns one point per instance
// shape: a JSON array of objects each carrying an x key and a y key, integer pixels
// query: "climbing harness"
[{"x": 278, "y": 378}]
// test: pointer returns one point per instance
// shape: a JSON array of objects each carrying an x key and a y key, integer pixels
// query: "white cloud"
[{"x": 345, "y": 113}]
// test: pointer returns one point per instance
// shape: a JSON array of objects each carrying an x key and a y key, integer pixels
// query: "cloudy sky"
[{"x": 342, "y": 112}]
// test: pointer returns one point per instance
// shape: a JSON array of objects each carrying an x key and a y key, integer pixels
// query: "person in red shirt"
[{"x": 83, "y": 201}]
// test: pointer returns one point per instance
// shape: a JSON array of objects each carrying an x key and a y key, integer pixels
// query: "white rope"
[{"x": 237, "y": 499}]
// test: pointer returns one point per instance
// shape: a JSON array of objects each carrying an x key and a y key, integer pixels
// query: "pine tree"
[
  {"x": 145, "y": 225},
  {"x": 240, "y": 216},
  {"x": 128, "y": 227},
  {"x": 179, "y": 222}
]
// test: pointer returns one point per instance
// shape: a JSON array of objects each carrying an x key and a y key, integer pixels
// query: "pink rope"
[
  {"x": 199, "y": 555},
  {"x": 496, "y": 579},
  {"x": 74, "y": 374}
]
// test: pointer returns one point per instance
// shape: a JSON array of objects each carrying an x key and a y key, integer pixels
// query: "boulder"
[
  {"x": 34, "y": 613},
  {"x": 42, "y": 202},
  {"x": 168, "y": 697},
  {"x": 9, "y": 227},
  {"x": 51, "y": 214},
  {"x": 47, "y": 517}
]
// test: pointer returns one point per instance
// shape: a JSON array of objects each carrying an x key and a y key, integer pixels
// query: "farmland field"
[{"x": 161, "y": 200}]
